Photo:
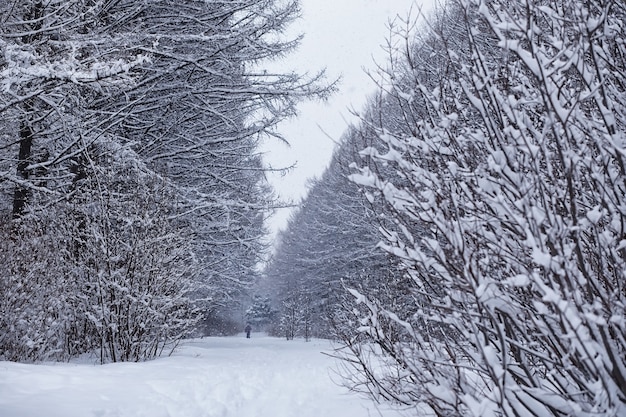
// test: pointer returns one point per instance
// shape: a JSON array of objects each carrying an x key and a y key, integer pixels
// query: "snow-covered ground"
[{"x": 210, "y": 377}]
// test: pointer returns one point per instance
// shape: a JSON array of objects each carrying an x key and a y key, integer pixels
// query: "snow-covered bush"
[
  {"x": 106, "y": 270},
  {"x": 507, "y": 134},
  {"x": 133, "y": 261},
  {"x": 35, "y": 309}
]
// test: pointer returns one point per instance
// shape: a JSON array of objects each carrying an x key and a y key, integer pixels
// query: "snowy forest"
[
  {"x": 132, "y": 193},
  {"x": 465, "y": 249}
]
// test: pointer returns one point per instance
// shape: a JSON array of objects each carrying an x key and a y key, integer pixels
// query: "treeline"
[
  {"x": 475, "y": 265},
  {"x": 132, "y": 194}
]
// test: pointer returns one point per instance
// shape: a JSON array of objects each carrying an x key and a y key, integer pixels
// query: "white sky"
[{"x": 345, "y": 37}]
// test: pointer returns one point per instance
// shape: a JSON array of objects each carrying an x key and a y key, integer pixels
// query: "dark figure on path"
[{"x": 248, "y": 330}]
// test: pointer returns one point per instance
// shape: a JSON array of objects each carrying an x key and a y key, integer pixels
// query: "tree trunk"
[{"x": 20, "y": 196}]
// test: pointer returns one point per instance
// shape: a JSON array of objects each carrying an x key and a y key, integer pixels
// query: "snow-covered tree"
[
  {"x": 55, "y": 60},
  {"x": 260, "y": 313},
  {"x": 196, "y": 114},
  {"x": 51, "y": 67},
  {"x": 508, "y": 140},
  {"x": 176, "y": 94},
  {"x": 328, "y": 243}
]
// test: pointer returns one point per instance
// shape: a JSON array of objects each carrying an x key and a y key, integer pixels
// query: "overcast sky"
[{"x": 345, "y": 37}]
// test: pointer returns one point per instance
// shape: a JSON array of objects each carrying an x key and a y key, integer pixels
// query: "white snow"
[
  {"x": 595, "y": 214},
  {"x": 210, "y": 377}
]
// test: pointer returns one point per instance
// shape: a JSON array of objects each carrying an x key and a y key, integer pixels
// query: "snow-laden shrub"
[{"x": 506, "y": 130}]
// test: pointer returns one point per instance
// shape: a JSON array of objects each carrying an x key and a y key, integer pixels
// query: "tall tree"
[
  {"x": 196, "y": 117},
  {"x": 328, "y": 243}
]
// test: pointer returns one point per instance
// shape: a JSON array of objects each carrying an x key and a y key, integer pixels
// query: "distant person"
[{"x": 248, "y": 330}]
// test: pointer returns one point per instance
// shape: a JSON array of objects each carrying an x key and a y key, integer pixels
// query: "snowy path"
[{"x": 211, "y": 377}]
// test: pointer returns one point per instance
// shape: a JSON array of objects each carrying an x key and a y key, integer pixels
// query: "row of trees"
[
  {"x": 497, "y": 145},
  {"x": 132, "y": 195},
  {"x": 329, "y": 242}
]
